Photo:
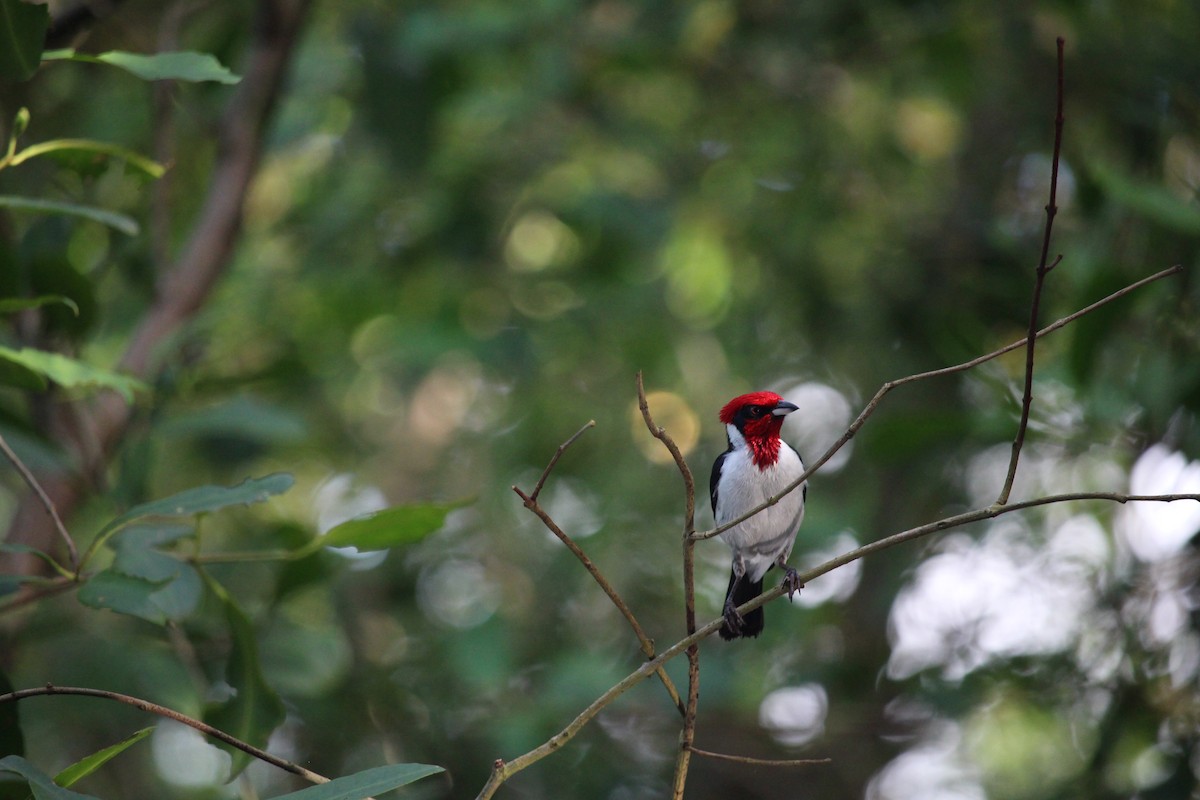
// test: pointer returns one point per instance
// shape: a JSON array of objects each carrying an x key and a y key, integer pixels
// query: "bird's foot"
[
  {"x": 734, "y": 621},
  {"x": 791, "y": 580}
]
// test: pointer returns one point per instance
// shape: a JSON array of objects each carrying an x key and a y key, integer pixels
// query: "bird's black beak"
[{"x": 783, "y": 408}]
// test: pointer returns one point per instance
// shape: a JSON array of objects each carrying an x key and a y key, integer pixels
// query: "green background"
[{"x": 474, "y": 222}]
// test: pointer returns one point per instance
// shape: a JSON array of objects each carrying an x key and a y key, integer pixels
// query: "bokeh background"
[{"x": 475, "y": 221}]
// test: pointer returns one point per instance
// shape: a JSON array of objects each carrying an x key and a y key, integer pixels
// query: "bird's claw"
[
  {"x": 791, "y": 581},
  {"x": 733, "y": 620}
]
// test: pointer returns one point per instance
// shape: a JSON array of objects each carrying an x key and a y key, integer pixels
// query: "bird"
[{"x": 756, "y": 465}]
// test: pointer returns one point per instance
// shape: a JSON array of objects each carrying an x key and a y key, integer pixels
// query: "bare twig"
[
  {"x": 763, "y": 762},
  {"x": 886, "y": 388},
  {"x": 163, "y": 711},
  {"x": 562, "y": 448},
  {"x": 956, "y": 521},
  {"x": 45, "y": 500},
  {"x": 645, "y": 641},
  {"x": 1044, "y": 267},
  {"x": 38, "y": 591},
  {"x": 688, "y": 734},
  {"x": 531, "y": 503},
  {"x": 503, "y": 770}
]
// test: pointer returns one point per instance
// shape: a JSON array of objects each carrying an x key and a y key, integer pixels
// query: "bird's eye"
[{"x": 754, "y": 412}]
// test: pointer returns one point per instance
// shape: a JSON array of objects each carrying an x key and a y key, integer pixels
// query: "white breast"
[{"x": 766, "y": 536}]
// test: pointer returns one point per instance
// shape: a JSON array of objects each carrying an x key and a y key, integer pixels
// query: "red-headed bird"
[{"x": 757, "y": 465}]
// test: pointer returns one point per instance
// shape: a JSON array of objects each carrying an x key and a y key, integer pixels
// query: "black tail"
[{"x": 746, "y": 590}]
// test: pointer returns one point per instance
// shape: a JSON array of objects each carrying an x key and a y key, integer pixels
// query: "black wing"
[{"x": 714, "y": 479}]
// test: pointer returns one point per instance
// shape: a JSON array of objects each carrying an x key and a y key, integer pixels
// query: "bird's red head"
[{"x": 758, "y": 416}]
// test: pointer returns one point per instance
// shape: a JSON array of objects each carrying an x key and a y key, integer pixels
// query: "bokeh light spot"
[
  {"x": 442, "y": 400},
  {"x": 927, "y": 128},
  {"x": 540, "y": 240},
  {"x": 699, "y": 275},
  {"x": 183, "y": 757},
  {"x": 458, "y": 593},
  {"x": 824, "y": 415},
  {"x": 796, "y": 714},
  {"x": 1156, "y": 531},
  {"x": 672, "y": 413}
]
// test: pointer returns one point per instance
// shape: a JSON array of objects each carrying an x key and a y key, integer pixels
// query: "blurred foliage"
[{"x": 473, "y": 223}]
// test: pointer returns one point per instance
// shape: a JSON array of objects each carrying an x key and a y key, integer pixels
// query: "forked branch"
[
  {"x": 531, "y": 502},
  {"x": 1043, "y": 269},
  {"x": 688, "y": 734},
  {"x": 46, "y": 502}
]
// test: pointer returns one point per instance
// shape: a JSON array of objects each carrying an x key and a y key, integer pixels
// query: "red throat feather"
[{"x": 762, "y": 434}]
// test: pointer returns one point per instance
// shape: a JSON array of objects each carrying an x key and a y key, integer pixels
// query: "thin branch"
[
  {"x": 689, "y": 483},
  {"x": 163, "y": 711},
  {"x": 1044, "y": 267},
  {"x": 956, "y": 521},
  {"x": 240, "y": 558},
  {"x": 45, "y": 500},
  {"x": 531, "y": 503},
  {"x": 645, "y": 641},
  {"x": 31, "y": 593},
  {"x": 763, "y": 762},
  {"x": 688, "y": 734},
  {"x": 936, "y": 373},
  {"x": 503, "y": 770},
  {"x": 562, "y": 448}
]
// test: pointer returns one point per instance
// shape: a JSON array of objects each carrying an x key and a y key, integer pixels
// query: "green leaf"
[
  {"x": 184, "y": 65},
  {"x": 22, "y": 35},
  {"x": 255, "y": 710},
  {"x": 150, "y": 168},
  {"x": 200, "y": 500},
  {"x": 11, "y": 740},
  {"x": 140, "y": 537},
  {"x": 203, "y": 499},
  {"x": 11, "y": 305},
  {"x": 39, "y": 782},
  {"x": 124, "y": 594},
  {"x": 241, "y": 417},
  {"x": 390, "y": 527},
  {"x": 179, "y": 584},
  {"x": 25, "y": 549},
  {"x": 71, "y": 374},
  {"x": 7, "y": 547},
  {"x": 125, "y": 224},
  {"x": 86, "y": 766},
  {"x": 10, "y": 583},
  {"x": 366, "y": 783}
]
